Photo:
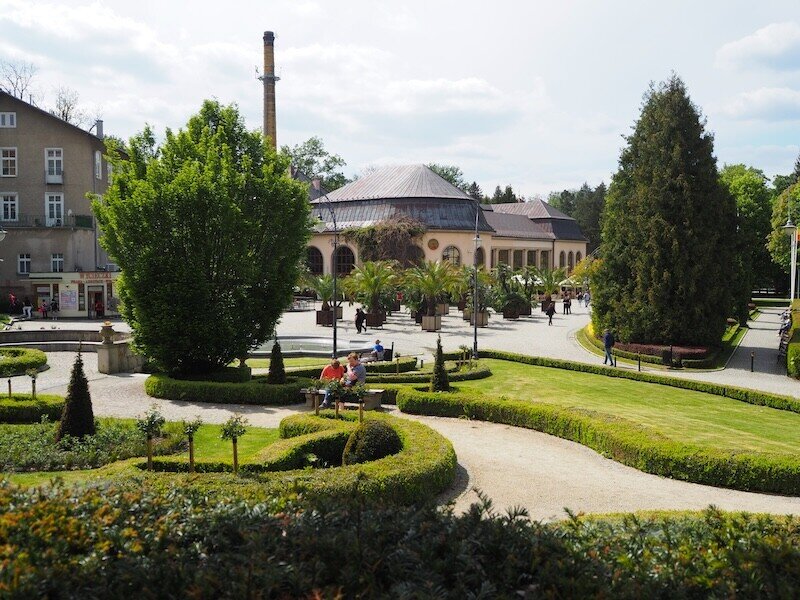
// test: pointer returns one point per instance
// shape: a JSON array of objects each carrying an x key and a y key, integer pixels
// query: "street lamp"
[
  {"x": 475, "y": 285},
  {"x": 791, "y": 229},
  {"x": 320, "y": 227}
]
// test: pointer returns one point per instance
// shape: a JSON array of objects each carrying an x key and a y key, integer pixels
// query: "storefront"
[{"x": 85, "y": 294}]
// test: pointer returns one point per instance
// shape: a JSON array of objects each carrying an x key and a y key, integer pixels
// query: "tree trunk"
[
  {"x": 149, "y": 453},
  {"x": 191, "y": 455},
  {"x": 235, "y": 458}
]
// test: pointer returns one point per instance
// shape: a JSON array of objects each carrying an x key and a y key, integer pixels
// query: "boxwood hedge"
[
  {"x": 22, "y": 408},
  {"x": 406, "y": 364},
  {"x": 619, "y": 439},
  {"x": 253, "y": 392},
  {"x": 689, "y": 363},
  {"x": 16, "y": 361},
  {"x": 423, "y": 468},
  {"x": 735, "y": 393}
]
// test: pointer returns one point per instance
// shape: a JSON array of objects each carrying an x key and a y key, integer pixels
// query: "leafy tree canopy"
[
  {"x": 667, "y": 255},
  {"x": 785, "y": 205},
  {"x": 585, "y": 205},
  {"x": 314, "y": 160},
  {"x": 209, "y": 230}
]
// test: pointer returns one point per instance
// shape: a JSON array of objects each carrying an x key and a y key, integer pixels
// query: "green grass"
[
  {"x": 682, "y": 415},
  {"x": 309, "y": 361},
  {"x": 4, "y": 319},
  {"x": 209, "y": 447},
  {"x": 771, "y": 302}
]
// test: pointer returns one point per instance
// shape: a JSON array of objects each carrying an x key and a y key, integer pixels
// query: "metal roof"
[
  {"x": 405, "y": 181},
  {"x": 562, "y": 229},
  {"x": 516, "y": 226},
  {"x": 533, "y": 209}
]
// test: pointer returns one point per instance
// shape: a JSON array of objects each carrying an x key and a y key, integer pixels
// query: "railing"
[{"x": 79, "y": 221}]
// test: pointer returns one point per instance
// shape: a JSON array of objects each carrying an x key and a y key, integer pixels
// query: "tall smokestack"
[{"x": 269, "y": 79}]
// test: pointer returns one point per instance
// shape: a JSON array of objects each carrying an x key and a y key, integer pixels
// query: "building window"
[
  {"x": 502, "y": 257},
  {"x": 57, "y": 263},
  {"x": 314, "y": 261},
  {"x": 578, "y": 257},
  {"x": 8, "y": 119},
  {"x": 54, "y": 209},
  {"x": 24, "y": 263},
  {"x": 54, "y": 158},
  {"x": 531, "y": 258},
  {"x": 562, "y": 260},
  {"x": 545, "y": 259},
  {"x": 570, "y": 262},
  {"x": 8, "y": 162},
  {"x": 345, "y": 260},
  {"x": 452, "y": 255},
  {"x": 98, "y": 165},
  {"x": 81, "y": 297},
  {"x": 10, "y": 206},
  {"x": 518, "y": 254}
]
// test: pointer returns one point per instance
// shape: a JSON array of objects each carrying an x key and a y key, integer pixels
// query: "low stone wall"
[
  {"x": 19, "y": 337},
  {"x": 117, "y": 357}
]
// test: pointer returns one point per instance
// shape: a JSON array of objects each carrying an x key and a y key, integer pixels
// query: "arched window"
[
  {"x": 578, "y": 258},
  {"x": 314, "y": 261},
  {"x": 570, "y": 262},
  {"x": 452, "y": 255},
  {"x": 345, "y": 260},
  {"x": 479, "y": 256},
  {"x": 562, "y": 260}
]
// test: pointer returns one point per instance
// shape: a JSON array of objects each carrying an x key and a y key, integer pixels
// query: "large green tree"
[
  {"x": 585, "y": 205},
  {"x": 210, "y": 231},
  {"x": 786, "y": 205},
  {"x": 753, "y": 264},
  {"x": 667, "y": 230},
  {"x": 451, "y": 173},
  {"x": 314, "y": 160}
]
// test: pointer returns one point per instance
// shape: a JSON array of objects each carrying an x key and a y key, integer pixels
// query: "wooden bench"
[{"x": 370, "y": 401}]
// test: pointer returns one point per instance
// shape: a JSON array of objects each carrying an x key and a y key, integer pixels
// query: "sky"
[{"x": 538, "y": 95}]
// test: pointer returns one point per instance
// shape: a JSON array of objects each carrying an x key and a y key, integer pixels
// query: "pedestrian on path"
[
  {"x": 43, "y": 309},
  {"x": 586, "y": 298},
  {"x": 551, "y": 310},
  {"x": 27, "y": 308},
  {"x": 360, "y": 318},
  {"x": 608, "y": 344}
]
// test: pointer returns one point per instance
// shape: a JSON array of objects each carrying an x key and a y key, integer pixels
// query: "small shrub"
[
  {"x": 439, "y": 381},
  {"x": 22, "y": 408},
  {"x": 277, "y": 372},
  {"x": 372, "y": 440},
  {"x": 77, "y": 419},
  {"x": 18, "y": 361},
  {"x": 253, "y": 392}
]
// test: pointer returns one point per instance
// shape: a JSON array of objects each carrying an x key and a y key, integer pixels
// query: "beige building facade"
[{"x": 47, "y": 169}]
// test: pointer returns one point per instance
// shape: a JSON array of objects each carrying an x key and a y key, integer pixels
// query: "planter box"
[
  {"x": 511, "y": 313},
  {"x": 431, "y": 323},
  {"x": 462, "y": 304},
  {"x": 442, "y": 309},
  {"x": 396, "y": 306},
  {"x": 467, "y": 314},
  {"x": 525, "y": 311},
  {"x": 375, "y": 319},
  {"x": 418, "y": 316},
  {"x": 325, "y": 318},
  {"x": 483, "y": 319}
]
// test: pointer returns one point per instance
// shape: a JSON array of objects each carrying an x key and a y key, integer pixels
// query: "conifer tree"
[
  {"x": 668, "y": 230},
  {"x": 77, "y": 420},
  {"x": 277, "y": 372},
  {"x": 440, "y": 382}
]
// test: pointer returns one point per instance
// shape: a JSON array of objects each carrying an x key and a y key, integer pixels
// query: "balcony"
[
  {"x": 66, "y": 222},
  {"x": 53, "y": 178}
]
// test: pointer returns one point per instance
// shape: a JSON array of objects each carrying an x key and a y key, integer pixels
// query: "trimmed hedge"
[
  {"x": 793, "y": 355},
  {"x": 422, "y": 469},
  {"x": 407, "y": 363},
  {"x": 254, "y": 392},
  {"x": 223, "y": 375},
  {"x": 453, "y": 375},
  {"x": 619, "y": 439},
  {"x": 16, "y": 361},
  {"x": 736, "y": 393},
  {"x": 21, "y": 408},
  {"x": 689, "y": 363}
]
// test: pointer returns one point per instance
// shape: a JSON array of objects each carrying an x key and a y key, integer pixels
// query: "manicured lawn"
[
  {"x": 682, "y": 415},
  {"x": 309, "y": 361}
]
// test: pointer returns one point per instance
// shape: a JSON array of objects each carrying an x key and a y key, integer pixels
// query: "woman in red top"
[{"x": 331, "y": 372}]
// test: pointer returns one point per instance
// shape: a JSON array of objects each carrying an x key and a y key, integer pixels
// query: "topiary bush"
[
  {"x": 22, "y": 408},
  {"x": 16, "y": 361},
  {"x": 277, "y": 372},
  {"x": 77, "y": 420},
  {"x": 372, "y": 440},
  {"x": 439, "y": 381}
]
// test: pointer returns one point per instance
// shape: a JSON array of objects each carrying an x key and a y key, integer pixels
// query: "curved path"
[{"x": 513, "y": 466}]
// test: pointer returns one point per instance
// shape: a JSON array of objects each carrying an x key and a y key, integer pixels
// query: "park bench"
[{"x": 370, "y": 401}]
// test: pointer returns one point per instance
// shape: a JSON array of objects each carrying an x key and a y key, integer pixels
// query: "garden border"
[
  {"x": 17, "y": 361},
  {"x": 165, "y": 387}
]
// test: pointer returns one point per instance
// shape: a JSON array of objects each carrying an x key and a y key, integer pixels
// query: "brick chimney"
[{"x": 269, "y": 79}]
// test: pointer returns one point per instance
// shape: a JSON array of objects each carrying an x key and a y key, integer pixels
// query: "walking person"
[
  {"x": 43, "y": 309},
  {"x": 54, "y": 309},
  {"x": 569, "y": 303},
  {"x": 360, "y": 318},
  {"x": 608, "y": 344},
  {"x": 27, "y": 308},
  {"x": 565, "y": 302},
  {"x": 551, "y": 310},
  {"x": 586, "y": 298}
]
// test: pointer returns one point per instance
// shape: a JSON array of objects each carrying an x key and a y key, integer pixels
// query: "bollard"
[
  {"x": 421, "y": 364},
  {"x": 9, "y": 388},
  {"x": 316, "y": 404},
  {"x": 397, "y": 363},
  {"x": 33, "y": 388},
  {"x": 639, "y": 358},
  {"x": 752, "y": 360}
]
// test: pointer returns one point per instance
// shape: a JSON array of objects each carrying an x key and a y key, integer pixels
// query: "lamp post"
[
  {"x": 791, "y": 229},
  {"x": 475, "y": 306},
  {"x": 321, "y": 227}
]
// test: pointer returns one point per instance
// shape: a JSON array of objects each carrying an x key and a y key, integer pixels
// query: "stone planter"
[
  {"x": 525, "y": 311},
  {"x": 511, "y": 313},
  {"x": 431, "y": 323},
  {"x": 483, "y": 319},
  {"x": 376, "y": 319}
]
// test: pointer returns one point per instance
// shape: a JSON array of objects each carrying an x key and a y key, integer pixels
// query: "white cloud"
[
  {"x": 765, "y": 104},
  {"x": 776, "y": 46}
]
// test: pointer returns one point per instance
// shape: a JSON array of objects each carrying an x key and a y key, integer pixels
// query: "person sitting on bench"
[
  {"x": 377, "y": 351},
  {"x": 331, "y": 372}
]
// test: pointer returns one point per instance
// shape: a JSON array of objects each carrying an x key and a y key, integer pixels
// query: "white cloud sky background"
[{"x": 533, "y": 94}]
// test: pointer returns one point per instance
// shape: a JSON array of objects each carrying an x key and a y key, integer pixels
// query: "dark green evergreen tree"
[
  {"x": 77, "y": 420},
  {"x": 475, "y": 191},
  {"x": 440, "y": 381},
  {"x": 668, "y": 229},
  {"x": 277, "y": 372}
]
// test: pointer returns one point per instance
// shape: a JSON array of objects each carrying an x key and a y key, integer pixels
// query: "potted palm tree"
[
  {"x": 509, "y": 297},
  {"x": 484, "y": 297},
  {"x": 322, "y": 285},
  {"x": 431, "y": 280},
  {"x": 548, "y": 281},
  {"x": 370, "y": 282}
]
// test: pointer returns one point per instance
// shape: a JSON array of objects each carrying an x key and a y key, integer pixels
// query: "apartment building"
[{"x": 51, "y": 250}]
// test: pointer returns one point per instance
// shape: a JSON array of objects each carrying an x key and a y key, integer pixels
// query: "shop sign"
[{"x": 69, "y": 300}]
